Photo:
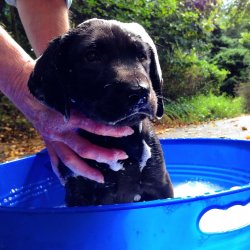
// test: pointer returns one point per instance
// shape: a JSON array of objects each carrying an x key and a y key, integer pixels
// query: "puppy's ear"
[
  {"x": 48, "y": 80},
  {"x": 157, "y": 81}
]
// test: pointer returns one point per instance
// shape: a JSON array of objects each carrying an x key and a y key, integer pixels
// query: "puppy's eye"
[
  {"x": 142, "y": 57},
  {"x": 92, "y": 56}
]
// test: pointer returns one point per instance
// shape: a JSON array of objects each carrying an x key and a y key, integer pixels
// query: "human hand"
[
  {"x": 60, "y": 136},
  {"x": 64, "y": 143}
]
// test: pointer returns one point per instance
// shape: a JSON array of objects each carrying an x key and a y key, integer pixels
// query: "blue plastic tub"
[{"x": 32, "y": 214}]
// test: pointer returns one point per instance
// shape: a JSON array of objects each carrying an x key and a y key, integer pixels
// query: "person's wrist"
[
  {"x": 19, "y": 93},
  {"x": 18, "y": 82}
]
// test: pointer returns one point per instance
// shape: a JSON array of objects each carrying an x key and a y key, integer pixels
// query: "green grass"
[{"x": 202, "y": 108}]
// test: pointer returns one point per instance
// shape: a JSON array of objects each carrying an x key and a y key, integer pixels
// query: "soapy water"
[
  {"x": 214, "y": 220},
  {"x": 195, "y": 188}
]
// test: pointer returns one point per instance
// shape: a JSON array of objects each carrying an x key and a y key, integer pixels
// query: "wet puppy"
[{"x": 110, "y": 72}]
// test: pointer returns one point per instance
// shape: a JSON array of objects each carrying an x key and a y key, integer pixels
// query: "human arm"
[{"x": 43, "y": 21}]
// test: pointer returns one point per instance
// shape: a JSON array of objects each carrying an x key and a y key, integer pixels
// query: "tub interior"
[{"x": 197, "y": 167}]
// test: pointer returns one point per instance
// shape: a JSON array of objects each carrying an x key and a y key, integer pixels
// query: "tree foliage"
[
  {"x": 231, "y": 45},
  {"x": 10, "y": 20},
  {"x": 203, "y": 44}
]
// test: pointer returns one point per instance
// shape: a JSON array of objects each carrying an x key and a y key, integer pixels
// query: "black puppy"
[{"x": 110, "y": 72}]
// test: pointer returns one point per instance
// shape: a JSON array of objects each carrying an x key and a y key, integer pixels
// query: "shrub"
[
  {"x": 202, "y": 108},
  {"x": 188, "y": 75}
]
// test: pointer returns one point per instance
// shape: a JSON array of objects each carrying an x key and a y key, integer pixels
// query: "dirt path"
[{"x": 235, "y": 128}]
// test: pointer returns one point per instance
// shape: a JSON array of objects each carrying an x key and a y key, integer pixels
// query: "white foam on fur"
[
  {"x": 146, "y": 154},
  {"x": 137, "y": 197},
  {"x": 115, "y": 166}
]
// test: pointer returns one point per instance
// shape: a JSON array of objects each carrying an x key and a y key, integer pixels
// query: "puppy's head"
[{"x": 107, "y": 70}]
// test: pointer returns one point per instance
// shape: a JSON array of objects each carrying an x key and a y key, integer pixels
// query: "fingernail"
[
  {"x": 122, "y": 156},
  {"x": 100, "y": 180},
  {"x": 98, "y": 177},
  {"x": 129, "y": 130}
]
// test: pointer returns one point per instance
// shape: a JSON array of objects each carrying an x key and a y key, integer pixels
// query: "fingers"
[
  {"x": 72, "y": 161},
  {"x": 87, "y": 150},
  {"x": 79, "y": 121},
  {"x": 72, "y": 148},
  {"x": 64, "y": 143},
  {"x": 75, "y": 163},
  {"x": 54, "y": 161}
]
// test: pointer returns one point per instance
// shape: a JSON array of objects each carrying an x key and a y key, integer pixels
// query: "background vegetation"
[
  {"x": 204, "y": 45},
  {"x": 204, "y": 48}
]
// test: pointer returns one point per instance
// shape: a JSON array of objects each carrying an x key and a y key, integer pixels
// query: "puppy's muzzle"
[{"x": 138, "y": 97}]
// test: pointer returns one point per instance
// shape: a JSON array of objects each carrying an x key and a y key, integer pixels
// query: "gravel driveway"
[{"x": 235, "y": 128}]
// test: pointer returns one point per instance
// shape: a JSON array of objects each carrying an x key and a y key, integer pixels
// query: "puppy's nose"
[{"x": 138, "y": 95}]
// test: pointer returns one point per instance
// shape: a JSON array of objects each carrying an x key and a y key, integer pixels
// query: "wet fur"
[{"x": 118, "y": 84}]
